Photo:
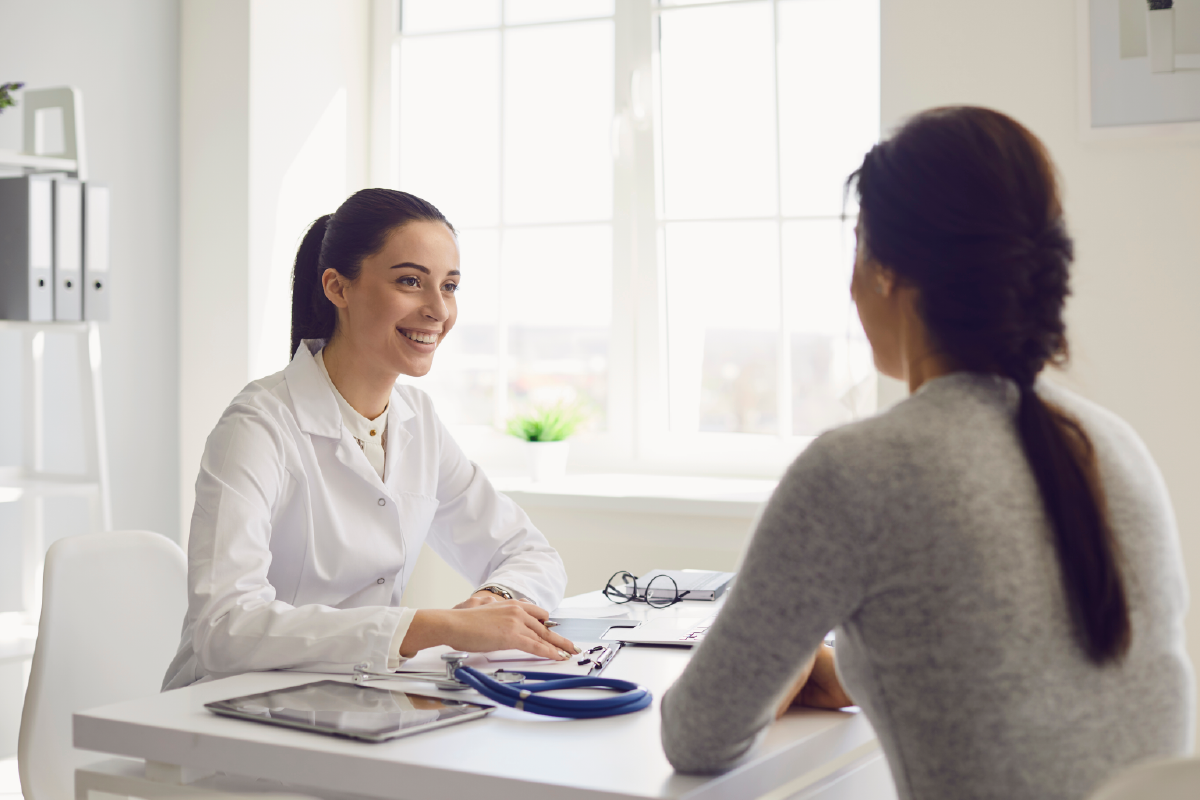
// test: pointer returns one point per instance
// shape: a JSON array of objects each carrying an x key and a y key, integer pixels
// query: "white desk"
[{"x": 509, "y": 754}]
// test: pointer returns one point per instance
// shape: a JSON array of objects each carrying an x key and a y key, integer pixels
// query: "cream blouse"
[{"x": 371, "y": 434}]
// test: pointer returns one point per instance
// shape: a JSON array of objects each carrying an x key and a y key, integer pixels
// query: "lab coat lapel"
[
  {"x": 313, "y": 403},
  {"x": 399, "y": 413},
  {"x": 317, "y": 411},
  {"x": 350, "y": 454}
]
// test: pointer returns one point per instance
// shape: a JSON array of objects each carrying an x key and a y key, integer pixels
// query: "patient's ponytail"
[
  {"x": 340, "y": 241},
  {"x": 962, "y": 204}
]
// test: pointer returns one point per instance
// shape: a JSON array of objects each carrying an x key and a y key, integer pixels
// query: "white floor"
[{"x": 10, "y": 782}]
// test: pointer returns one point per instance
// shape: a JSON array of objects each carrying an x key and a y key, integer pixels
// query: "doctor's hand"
[
  {"x": 504, "y": 625},
  {"x": 480, "y": 598}
]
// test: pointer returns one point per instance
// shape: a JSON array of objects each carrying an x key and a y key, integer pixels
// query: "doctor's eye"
[
  {"x": 409, "y": 280},
  {"x": 450, "y": 287}
]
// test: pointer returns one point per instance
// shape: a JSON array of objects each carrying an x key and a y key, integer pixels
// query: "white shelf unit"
[
  {"x": 31, "y": 485},
  {"x": 11, "y": 158}
]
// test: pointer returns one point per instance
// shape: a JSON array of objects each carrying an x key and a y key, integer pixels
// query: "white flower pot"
[{"x": 547, "y": 460}]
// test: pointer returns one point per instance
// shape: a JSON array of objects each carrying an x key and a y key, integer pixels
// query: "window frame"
[{"x": 637, "y": 436}]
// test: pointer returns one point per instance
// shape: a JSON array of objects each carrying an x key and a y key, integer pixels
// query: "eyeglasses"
[{"x": 661, "y": 591}]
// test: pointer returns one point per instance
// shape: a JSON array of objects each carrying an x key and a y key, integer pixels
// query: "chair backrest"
[
  {"x": 1166, "y": 779},
  {"x": 112, "y": 608}
]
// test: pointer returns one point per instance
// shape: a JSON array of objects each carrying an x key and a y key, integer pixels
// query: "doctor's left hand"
[
  {"x": 480, "y": 598},
  {"x": 503, "y": 625}
]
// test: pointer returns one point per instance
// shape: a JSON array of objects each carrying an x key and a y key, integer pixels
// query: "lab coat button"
[
  {"x": 380, "y": 581},
  {"x": 382, "y": 502}
]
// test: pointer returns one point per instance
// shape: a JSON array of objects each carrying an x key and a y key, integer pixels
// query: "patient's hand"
[{"x": 817, "y": 686}]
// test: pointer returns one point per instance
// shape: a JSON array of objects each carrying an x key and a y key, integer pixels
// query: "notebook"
[{"x": 698, "y": 583}]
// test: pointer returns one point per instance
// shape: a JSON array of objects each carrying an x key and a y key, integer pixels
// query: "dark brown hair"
[
  {"x": 341, "y": 240},
  {"x": 962, "y": 203}
]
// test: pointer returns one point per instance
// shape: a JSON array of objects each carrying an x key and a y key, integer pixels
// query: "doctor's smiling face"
[{"x": 402, "y": 304}]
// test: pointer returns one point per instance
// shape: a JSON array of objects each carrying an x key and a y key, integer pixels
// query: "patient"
[{"x": 998, "y": 555}]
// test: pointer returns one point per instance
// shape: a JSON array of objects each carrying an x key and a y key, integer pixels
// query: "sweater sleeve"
[{"x": 803, "y": 574}]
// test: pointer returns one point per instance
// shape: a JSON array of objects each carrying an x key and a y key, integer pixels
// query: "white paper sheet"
[
  {"x": 610, "y": 611},
  {"x": 430, "y": 660}
]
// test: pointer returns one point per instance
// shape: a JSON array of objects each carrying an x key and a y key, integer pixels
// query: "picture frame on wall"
[{"x": 1139, "y": 68}]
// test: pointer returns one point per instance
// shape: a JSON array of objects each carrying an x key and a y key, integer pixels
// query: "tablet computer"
[{"x": 349, "y": 710}]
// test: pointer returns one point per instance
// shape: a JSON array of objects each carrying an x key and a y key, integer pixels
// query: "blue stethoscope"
[{"x": 513, "y": 689}]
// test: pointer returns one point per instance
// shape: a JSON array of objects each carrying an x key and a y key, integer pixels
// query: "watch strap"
[{"x": 497, "y": 589}]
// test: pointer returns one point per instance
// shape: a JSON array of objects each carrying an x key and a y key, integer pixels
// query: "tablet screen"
[{"x": 347, "y": 709}]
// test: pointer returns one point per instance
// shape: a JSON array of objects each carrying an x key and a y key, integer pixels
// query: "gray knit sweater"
[{"x": 920, "y": 535}]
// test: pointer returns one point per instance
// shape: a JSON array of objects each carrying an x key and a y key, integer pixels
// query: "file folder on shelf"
[
  {"x": 26, "y": 248},
  {"x": 96, "y": 278},
  {"x": 68, "y": 249}
]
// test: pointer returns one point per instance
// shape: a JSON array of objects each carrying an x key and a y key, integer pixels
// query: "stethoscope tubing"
[{"x": 630, "y": 697}]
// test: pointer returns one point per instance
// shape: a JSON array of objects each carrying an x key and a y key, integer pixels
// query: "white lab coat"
[{"x": 299, "y": 553}]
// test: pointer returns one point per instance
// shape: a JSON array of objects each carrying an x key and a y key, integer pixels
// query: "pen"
[
  {"x": 602, "y": 660},
  {"x": 551, "y": 623}
]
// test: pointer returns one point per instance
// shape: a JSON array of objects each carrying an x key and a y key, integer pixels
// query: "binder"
[
  {"x": 68, "y": 249},
  {"x": 96, "y": 278},
  {"x": 26, "y": 248}
]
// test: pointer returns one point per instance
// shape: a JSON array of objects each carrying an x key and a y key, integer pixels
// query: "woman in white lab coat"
[{"x": 320, "y": 483}]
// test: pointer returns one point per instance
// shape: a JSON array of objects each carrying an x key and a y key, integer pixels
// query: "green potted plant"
[
  {"x": 545, "y": 431},
  {"x": 6, "y": 90}
]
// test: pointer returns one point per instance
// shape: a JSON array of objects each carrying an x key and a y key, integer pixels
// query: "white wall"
[
  {"x": 274, "y": 114},
  {"x": 122, "y": 55},
  {"x": 214, "y": 225},
  {"x": 1133, "y": 207}
]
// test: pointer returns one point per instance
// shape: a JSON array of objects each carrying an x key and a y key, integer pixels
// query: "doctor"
[{"x": 321, "y": 482}]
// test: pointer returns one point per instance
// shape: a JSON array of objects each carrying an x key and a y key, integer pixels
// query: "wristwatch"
[{"x": 496, "y": 589}]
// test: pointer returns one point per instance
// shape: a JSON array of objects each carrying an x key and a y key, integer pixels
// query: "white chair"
[
  {"x": 1167, "y": 779},
  {"x": 112, "y": 609}
]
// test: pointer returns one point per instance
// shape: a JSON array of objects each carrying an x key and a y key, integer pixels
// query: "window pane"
[
  {"x": 557, "y": 121},
  {"x": 718, "y": 117},
  {"x": 831, "y": 360},
  {"x": 828, "y": 98},
  {"x": 450, "y": 124},
  {"x": 463, "y": 378},
  {"x": 420, "y": 16},
  {"x": 518, "y": 12},
  {"x": 723, "y": 326},
  {"x": 558, "y": 306},
  {"x": 558, "y": 113}
]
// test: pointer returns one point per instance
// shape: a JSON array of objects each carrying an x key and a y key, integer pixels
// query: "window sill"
[{"x": 737, "y": 498}]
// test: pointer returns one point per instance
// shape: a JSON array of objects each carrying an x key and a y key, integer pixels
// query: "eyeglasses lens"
[
  {"x": 621, "y": 587},
  {"x": 662, "y": 591}
]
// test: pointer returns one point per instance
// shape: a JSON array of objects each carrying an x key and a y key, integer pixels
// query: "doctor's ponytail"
[
  {"x": 310, "y": 319},
  {"x": 341, "y": 240}
]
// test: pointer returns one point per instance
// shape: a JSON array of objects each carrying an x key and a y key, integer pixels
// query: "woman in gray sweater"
[{"x": 998, "y": 556}]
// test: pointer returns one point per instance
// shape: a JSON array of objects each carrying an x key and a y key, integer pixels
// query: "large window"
[
  {"x": 651, "y": 211},
  {"x": 505, "y": 127}
]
